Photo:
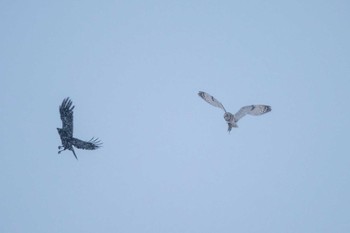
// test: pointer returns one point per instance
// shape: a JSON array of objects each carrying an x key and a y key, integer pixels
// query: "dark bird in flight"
[
  {"x": 66, "y": 133},
  {"x": 232, "y": 119}
]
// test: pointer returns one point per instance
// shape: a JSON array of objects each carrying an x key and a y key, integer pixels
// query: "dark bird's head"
[{"x": 59, "y": 131}]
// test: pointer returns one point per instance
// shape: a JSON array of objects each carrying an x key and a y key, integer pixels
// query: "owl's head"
[{"x": 229, "y": 117}]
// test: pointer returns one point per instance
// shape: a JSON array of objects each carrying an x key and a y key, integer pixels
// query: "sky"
[{"x": 133, "y": 70}]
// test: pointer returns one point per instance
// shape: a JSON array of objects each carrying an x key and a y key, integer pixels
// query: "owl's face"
[{"x": 228, "y": 117}]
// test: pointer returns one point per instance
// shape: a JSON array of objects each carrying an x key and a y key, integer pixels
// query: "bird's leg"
[
  {"x": 62, "y": 149},
  {"x": 59, "y": 147}
]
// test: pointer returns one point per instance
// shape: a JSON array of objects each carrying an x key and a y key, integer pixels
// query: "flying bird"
[
  {"x": 232, "y": 119},
  {"x": 66, "y": 132}
]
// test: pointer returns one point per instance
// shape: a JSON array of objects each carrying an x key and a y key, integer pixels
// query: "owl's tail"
[{"x": 231, "y": 125}]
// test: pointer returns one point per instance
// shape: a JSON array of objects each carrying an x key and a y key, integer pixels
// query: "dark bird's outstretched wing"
[
  {"x": 93, "y": 144},
  {"x": 254, "y": 110},
  {"x": 211, "y": 100},
  {"x": 66, "y": 112}
]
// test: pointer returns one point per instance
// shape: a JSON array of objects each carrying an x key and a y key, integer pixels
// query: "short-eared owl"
[{"x": 232, "y": 119}]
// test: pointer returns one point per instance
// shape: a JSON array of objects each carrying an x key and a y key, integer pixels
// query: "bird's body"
[
  {"x": 66, "y": 141},
  {"x": 232, "y": 119},
  {"x": 66, "y": 132}
]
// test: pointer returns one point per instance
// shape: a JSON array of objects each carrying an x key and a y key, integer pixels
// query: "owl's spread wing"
[
  {"x": 93, "y": 144},
  {"x": 254, "y": 110},
  {"x": 66, "y": 112},
  {"x": 211, "y": 100}
]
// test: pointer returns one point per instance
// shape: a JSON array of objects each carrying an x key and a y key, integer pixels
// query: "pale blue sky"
[{"x": 133, "y": 70}]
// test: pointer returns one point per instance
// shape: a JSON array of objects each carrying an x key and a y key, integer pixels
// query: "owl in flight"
[
  {"x": 66, "y": 133},
  {"x": 232, "y": 119}
]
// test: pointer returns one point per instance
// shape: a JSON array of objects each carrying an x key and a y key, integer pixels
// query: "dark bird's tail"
[{"x": 74, "y": 153}]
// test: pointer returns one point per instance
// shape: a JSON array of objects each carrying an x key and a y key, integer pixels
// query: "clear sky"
[{"x": 133, "y": 70}]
